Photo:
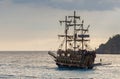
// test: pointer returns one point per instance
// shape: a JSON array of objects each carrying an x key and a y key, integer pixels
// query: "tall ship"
[{"x": 74, "y": 51}]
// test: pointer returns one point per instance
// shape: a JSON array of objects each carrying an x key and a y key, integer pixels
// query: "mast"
[
  {"x": 74, "y": 17},
  {"x": 66, "y": 31},
  {"x": 82, "y": 36},
  {"x": 74, "y": 31}
]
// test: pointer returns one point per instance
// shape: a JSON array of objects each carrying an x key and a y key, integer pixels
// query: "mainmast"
[
  {"x": 75, "y": 30},
  {"x": 75, "y": 34}
]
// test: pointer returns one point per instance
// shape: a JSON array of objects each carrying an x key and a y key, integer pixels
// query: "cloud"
[{"x": 90, "y": 5}]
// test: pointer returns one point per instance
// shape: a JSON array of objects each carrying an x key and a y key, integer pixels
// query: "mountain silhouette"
[{"x": 112, "y": 46}]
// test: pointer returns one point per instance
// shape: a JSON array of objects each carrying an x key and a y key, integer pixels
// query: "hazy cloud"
[{"x": 74, "y": 4}]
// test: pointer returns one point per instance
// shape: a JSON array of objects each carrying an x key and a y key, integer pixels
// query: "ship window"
[
  {"x": 68, "y": 55},
  {"x": 63, "y": 54}
]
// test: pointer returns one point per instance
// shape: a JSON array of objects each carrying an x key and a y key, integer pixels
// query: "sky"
[{"x": 34, "y": 24}]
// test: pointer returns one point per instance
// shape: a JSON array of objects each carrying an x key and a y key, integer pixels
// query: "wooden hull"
[{"x": 69, "y": 66}]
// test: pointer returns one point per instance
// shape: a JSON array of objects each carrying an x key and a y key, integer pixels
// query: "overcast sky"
[{"x": 34, "y": 24}]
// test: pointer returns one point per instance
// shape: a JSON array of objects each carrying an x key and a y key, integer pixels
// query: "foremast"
[
  {"x": 66, "y": 31},
  {"x": 72, "y": 21}
]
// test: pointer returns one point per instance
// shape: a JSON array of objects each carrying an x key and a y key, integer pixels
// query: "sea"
[{"x": 39, "y": 65}]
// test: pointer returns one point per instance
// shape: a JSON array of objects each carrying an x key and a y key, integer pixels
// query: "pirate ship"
[{"x": 74, "y": 52}]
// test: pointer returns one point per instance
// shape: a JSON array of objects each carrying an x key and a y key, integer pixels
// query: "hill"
[{"x": 112, "y": 46}]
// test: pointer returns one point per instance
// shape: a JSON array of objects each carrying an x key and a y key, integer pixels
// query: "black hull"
[{"x": 73, "y": 67}]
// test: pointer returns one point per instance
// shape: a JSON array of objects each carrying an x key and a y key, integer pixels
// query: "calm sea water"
[{"x": 39, "y": 65}]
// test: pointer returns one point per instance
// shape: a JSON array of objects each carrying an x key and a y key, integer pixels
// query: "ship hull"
[
  {"x": 68, "y": 66},
  {"x": 78, "y": 59}
]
